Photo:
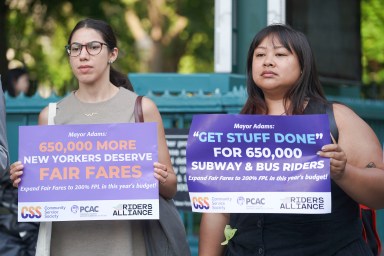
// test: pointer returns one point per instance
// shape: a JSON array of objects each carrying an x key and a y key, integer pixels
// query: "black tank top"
[{"x": 298, "y": 234}]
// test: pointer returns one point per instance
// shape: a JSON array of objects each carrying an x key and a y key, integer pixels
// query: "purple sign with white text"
[
  {"x": 88, "y": 172},
  {"x": 258, "y": 163}
]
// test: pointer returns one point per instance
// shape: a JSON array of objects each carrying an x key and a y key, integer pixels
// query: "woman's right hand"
[{"x": 15, "y": 172}]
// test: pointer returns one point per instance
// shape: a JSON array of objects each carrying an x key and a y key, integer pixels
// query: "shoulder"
[
  {"x": 43, "y": 116},
  {"x": 148, "y": 104},
  {"x": 347, "y": 118},
  {"x": 356, "y": 137},
  {"x": 66, "y": 99},
  {"x": 150, "y": 111},
  {"x": 339, "y": 107},
  {"x": 48, "y": 112},
  {"x": 126, "y": 93}
]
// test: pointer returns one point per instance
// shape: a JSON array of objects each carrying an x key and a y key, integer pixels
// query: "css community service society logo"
[
  {"x": 30, "y": 212},
  {"x": 74, "y": 208}
]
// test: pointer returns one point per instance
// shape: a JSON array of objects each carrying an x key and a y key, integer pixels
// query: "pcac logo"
[
  {"x": 200, "y": 202},
  {"x": 89, "y": 208},
  {"x": 255, "y": 201},
  {"x": 31, "y": 212},
  {"x": 74, "y": 208}
]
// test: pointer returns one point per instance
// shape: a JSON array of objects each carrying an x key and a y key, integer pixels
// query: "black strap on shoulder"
[
  {"x": 321, "y": 107},
  {"x": 332, "y": 122}
]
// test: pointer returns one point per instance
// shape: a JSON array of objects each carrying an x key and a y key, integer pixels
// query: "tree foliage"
[
  {"x": 153, "y": 36},
  {"x": 372, "y": 29}
]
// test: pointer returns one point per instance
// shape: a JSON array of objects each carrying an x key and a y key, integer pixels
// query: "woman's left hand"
[
  {"x": 161, "y": 172},
  {"x": 338, "y": 159}
]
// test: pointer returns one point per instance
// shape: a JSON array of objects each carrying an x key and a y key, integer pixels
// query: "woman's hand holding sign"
[
  {"x": 15, "y": 171},
  {"x": 338, "y": 159},
  {"x": 161, "y": 172}
]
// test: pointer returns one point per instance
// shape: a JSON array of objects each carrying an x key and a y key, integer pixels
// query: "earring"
[{"x": 110, "y": 62}]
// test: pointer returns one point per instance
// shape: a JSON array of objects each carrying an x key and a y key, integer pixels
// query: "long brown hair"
[
  {"x": 308, "y": 85},
  {"x": 106, "y": 32}
]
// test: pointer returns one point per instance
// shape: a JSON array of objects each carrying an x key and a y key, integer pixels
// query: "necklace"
[{"x": 91, "y": 114}]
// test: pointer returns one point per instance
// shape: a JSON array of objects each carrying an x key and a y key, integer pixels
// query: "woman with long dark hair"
[
  {"x": 282, "y": 80},
  {"x": 105, "y": 95}
]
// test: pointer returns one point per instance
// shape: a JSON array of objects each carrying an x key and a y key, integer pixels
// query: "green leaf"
[{"x": 229, "y": 232}]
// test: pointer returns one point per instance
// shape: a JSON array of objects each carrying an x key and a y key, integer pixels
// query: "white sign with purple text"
[
  {"x": 88, "y": 172},
  {"x": 258, "y": 164}
]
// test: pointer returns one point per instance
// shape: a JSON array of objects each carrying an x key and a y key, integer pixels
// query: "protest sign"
[
  {"x": 258, "y": 164},
  {"x": 88, "y": 172}
]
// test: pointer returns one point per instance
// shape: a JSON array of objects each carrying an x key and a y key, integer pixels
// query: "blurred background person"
[{"x": 18, "y": 81}]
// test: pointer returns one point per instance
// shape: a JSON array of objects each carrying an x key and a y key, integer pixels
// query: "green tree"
[
  {"x": 153, "y": 35},
  {"x": 36, "y": 33},
  {"x": 372, "y": 29},
  {"x": 173, "y": 35}
]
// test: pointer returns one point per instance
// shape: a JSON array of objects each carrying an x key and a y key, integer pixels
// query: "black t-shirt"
[{"x": 299, "y": 234}]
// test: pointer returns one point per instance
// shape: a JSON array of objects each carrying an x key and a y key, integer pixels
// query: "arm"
[
  {"x": 4, "y": 157},
  {"x": 16, "y": 169},
  {"x": 43, "y": 117},
  {"x": 358, "y": 147},
  {"x": 212, "y": 233},
  {"x": 163, "y": 169}
]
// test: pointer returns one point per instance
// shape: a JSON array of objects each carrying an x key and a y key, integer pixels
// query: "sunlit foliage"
[{"x": 168, "y": 36}]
